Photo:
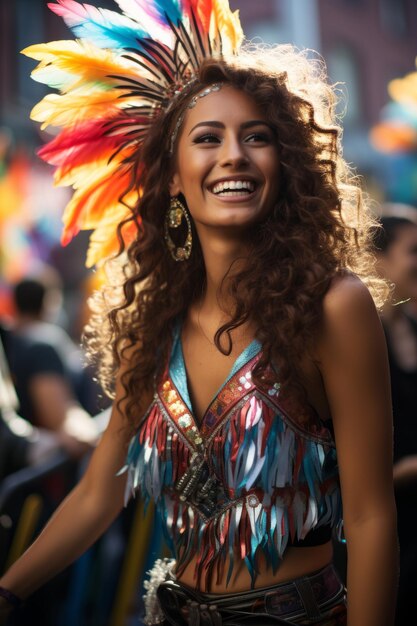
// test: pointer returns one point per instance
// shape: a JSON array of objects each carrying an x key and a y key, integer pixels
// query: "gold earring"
[{"x": 173, "y": 219}]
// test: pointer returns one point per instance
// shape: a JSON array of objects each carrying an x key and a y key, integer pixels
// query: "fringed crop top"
[{"x": 258, "y": 474}]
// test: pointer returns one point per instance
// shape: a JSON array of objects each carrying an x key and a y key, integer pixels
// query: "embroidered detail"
[{"x": 178, "y": 412}]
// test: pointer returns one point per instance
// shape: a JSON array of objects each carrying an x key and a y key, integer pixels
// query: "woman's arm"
[
  {"x": 354, "y": 365},
  {"x": 83, "y": 516}
]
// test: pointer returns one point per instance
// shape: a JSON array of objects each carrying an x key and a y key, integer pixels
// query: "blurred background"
[{"x": 370, "y": 49}]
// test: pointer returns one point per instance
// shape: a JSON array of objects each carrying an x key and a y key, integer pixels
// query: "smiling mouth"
[{"x": 233, "y": 188}]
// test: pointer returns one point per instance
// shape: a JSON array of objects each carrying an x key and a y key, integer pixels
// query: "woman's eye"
[
  {"x": 207, "y": 138},
  {"x": 258, "y": 137}
]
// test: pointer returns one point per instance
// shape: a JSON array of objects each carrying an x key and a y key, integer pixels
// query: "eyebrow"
[{"x": 245, "y": 125}]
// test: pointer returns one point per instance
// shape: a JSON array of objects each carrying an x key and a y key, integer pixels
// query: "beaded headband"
[{"x": 122, "y": 71}]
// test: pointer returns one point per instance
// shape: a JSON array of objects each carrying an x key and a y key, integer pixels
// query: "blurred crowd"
[
  {"x": 396, "y": 245},
  {"x": 51, "y": 417},
  {"x": 52, "y": 412},
  {"x": 46, "y": 381}
]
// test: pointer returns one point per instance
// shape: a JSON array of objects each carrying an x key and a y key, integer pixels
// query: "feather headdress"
[{"x": 112, "y": 80}]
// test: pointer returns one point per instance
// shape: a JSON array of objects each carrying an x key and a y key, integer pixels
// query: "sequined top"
[{"x": 259, "y": 472}]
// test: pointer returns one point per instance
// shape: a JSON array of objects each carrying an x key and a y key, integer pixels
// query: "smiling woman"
[
  {"x": 242, "y": 344},
  {"x": 227, "y": 166}
]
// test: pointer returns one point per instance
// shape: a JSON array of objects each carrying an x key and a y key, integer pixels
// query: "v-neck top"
[
  {"x": 178, "y": 370},
  {"x": 258, "y": 473}
]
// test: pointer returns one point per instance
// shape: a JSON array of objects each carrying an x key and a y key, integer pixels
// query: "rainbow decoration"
[{"x": 120, "y": 71}]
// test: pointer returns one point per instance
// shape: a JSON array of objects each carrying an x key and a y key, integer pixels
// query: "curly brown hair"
[{"x": 319, "y": 228}]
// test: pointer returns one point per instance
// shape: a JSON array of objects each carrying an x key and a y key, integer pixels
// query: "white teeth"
[{"x": 233, "y": 185}]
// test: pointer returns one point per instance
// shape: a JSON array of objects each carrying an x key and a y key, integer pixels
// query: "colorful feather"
[
  {"x": 228, "y": 24},
  {"x": 104, "y": 28},
  {"x": 72, "y": 108},
  {"x": 78, "y": 145},
  {"x": 157, "y": 11},
  {"x": 122, "y": 69},
  {"x": 94, "y": 201},
  {"x": 75, "y": 63}
]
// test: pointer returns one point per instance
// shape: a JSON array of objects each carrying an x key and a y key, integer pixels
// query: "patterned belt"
[{"x": 308, "y": 596}]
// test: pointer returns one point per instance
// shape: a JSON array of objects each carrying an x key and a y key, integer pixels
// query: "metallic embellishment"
[
  {"x": 201, "y": 489},
  {"x": 189, "y": 481},
  {"x": 247, "y": 476},
  {"x": 253, "y": 484},
  {"x": 205, "y": 92},
  {"x": 179, "y": 414},
  {"x": 184, "y": 421},
  {"x": 173, "y": 219},
  {"x": 252, "y": 500},
  {"x": 274, "y": 390}
]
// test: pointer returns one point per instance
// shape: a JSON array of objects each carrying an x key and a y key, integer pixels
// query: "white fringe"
[{"x": 161, "y": 571}]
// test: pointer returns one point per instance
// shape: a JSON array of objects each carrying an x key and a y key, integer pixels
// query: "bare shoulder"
[
  {"x": 347, "y": 296},
  {"x": 351, "y": 321}
]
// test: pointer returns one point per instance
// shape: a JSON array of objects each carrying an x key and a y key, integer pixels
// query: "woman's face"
[
  {"x": 399, "y": 262},
  {"x": 226, "y": 164}
]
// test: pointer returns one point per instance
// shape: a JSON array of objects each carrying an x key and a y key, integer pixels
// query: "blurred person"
[
  {"x": 396, "y": 246},
  {"x": 408, "y": 212},
  {"x": 45, "y": 364},
  {"x": 43, "y": 461},
  {"x": 37, "y": 461},
  {"x": 21, "y": 443}
]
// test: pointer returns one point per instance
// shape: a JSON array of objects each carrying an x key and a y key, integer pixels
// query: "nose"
[{"x": 232, "y": 153}]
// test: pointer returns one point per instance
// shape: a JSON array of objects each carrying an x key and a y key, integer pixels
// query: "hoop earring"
[{"x": 173, "y": 218}]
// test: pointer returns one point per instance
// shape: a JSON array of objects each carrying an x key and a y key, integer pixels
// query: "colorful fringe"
[{"x": 275, "y": 482}]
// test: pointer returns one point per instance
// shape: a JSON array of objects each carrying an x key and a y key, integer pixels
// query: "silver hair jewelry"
[{"x": 205, "y": 92}]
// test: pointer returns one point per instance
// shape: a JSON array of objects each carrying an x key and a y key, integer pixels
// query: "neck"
[{"x": 224, "y": 256}]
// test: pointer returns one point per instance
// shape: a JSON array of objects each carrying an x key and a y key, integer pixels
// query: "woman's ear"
[{"x": 175, "y": 186}]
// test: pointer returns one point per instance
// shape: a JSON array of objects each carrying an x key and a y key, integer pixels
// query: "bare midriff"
[{"x": 297, "y": 562}]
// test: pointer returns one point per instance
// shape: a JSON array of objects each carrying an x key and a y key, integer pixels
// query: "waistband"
[{"x": 306, "y": 597}]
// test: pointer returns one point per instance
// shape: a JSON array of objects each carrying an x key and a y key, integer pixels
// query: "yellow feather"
[
  {"x": 93, "y": 203},
  {"x": 228, "y": 24},
  {"x": 85, "y": 174},
  {"x": 83, "y": 104},
  {"x": 103, "y": 241},
  {"x": 80, "y": 59}
]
